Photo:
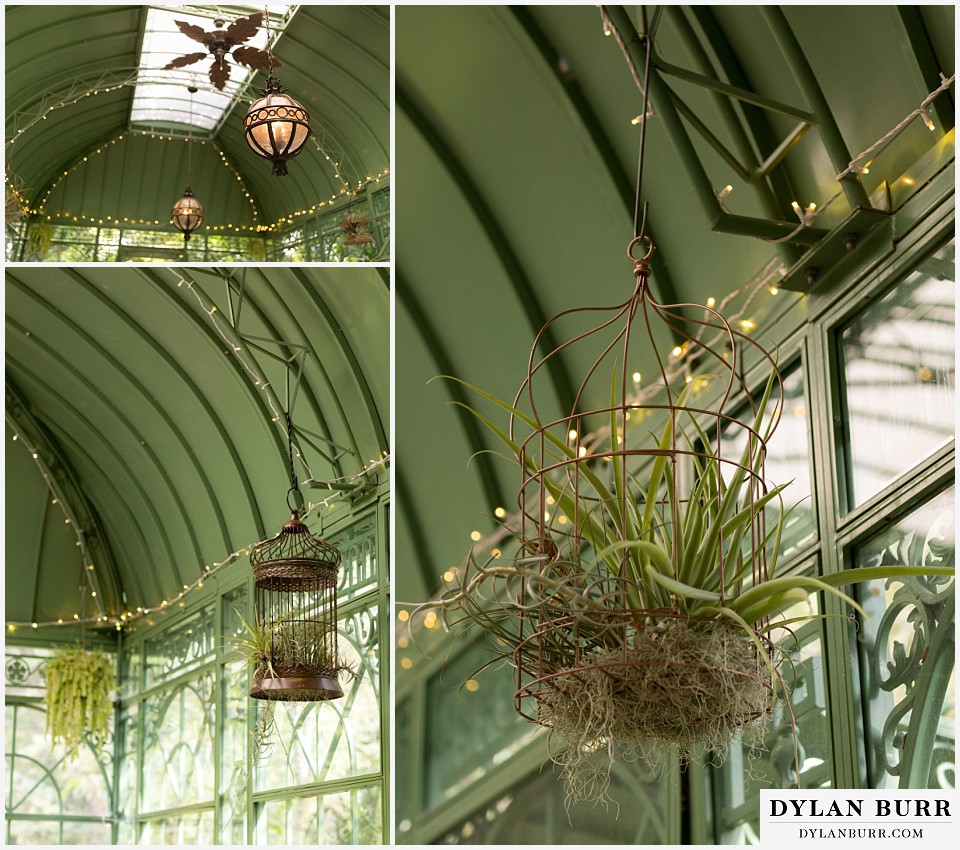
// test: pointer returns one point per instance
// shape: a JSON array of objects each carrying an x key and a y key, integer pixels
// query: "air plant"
[
  {"x": 276, "y": 651},
  {"x": 652, "y": 627}
]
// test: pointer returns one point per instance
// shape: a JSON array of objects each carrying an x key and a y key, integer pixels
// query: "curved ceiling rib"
[
  {"x": 624, "y": 186},
  {"x": 138, "y": 380},
  {"x": 76, "y": 376},
  {"x": 137, "y": 386},
  {"x": 340, "y": 73},
  {"x": 61, "y": 481},
  {"x": 520, "y": 144},
  {"x": 83, "y": 431},
  {"x": 348, "y": 354},
  {"x": 507, "y": 252}
]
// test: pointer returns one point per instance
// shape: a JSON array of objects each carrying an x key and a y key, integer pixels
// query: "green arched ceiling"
[
  {"x": 335, "y": 62},
  {"x": 128, "y": 383},
  {"x": 518, "y": 155}
]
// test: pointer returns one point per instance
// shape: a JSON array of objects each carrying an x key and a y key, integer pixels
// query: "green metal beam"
[
  {"x": 80, "y": 380},
  {"x": 73, "y": 493},
  {"x": 830, "y": 134},
  {"x": 919, "y": 43},
  {"x": 69, "y": 491},
  {"x": 68, "y": 407},
  {"x": 143, "y": 393},
  {"x": 445, "y": 365},
  {"x": 717, "y": 218},
  {"x": 188, "y": 381},
  {"x": 350, "y": 356}
]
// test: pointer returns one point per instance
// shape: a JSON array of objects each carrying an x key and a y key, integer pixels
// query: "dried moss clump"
[{"x": 674, "y": 689}]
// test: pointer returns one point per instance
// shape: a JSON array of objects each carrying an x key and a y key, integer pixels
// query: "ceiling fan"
[{"x": 220, "y": 42}]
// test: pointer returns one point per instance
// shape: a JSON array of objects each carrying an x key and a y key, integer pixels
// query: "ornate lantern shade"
[
  {"x": 276, "y": 127},
  {"x": 187, "y": 214},
  {"x": 295, "y": 583}
]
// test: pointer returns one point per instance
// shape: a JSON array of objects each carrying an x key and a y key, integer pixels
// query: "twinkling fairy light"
[
  {"x": 125, "y": 617},
  {"x": 120, "y": 619}
]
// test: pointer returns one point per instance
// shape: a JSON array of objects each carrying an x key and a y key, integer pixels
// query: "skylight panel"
[{"x": 160, "y": 97}]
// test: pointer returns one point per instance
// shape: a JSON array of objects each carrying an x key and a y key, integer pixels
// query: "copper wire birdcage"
[
  {"x": 583, "y": 617},
  {"x": 295, "y": 579}
]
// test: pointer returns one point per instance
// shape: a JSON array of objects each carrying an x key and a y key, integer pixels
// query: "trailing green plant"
[
  {"x": 79, "y": 698},
  {"x": 39, "y": 238},
  {"x": 652, "y": 625}
]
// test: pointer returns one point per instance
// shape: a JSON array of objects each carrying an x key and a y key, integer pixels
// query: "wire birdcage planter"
[
  {"x": 618, "y": 592},
  {"x": 295, "y": 585}
]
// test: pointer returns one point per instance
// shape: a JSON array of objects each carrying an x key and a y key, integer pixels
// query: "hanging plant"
[
  {"x": 355, "y": 229},
  {"x": 280, "y": 647},
  {"x": 79, "y": 698},
  {"x": 643, "y": 608},
  {"x": 39, "y": 237}
]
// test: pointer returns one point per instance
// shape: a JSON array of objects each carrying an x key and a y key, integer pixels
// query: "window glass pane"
[
  {"x": 193, "y": 828},
  {"x": 319, "y": 742},
  {"x": 349, "y": 817},
  {"x": 54, "y": 832},
  {"x": 40, "y": 782},
  {"x": 178, "y": 649},
  {"x": 906, "y": 653},
  {"x": 532, "y": 812},
  {"x": 473, "y": 725},
  {"x": 358, "y": 559},
  {"x": 129, "y": 774},
  {"x": 178, "y": 745},
  {"x": 898, "y": 369},
  {"x": 788, "y": 459}
]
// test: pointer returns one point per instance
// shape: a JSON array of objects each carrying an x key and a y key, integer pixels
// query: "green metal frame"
[
  {"x": 370, "y": 506},
  {"x": 306, "y": 240}
]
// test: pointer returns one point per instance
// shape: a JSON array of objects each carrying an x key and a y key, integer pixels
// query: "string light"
[
  {"x": 278, "y": 226},
  {"x": 312, "y": 507}
]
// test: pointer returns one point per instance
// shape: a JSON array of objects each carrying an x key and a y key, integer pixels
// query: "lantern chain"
[
  {"x": 266, "y": 25},
  {"x": 190, "y": 89}
]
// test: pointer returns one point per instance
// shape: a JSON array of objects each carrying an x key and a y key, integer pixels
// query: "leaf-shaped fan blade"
[
  {"x": 189, "y": 59},
  {"x": 243, "y": 28},
  {"x": 253, "y": 57},
  {"x": 195, "y": 32},
  {"x": 219, "y": 73}
]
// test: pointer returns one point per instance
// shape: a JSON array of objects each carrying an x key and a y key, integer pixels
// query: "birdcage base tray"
[{"x": 297, "y": 688}]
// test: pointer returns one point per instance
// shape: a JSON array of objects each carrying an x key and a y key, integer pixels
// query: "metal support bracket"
[{"x": 831, "y": 258}]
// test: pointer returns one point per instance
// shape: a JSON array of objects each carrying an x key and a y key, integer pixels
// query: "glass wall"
[
  {"x": 51, "y": 796},
  {"x": 195, "y": 760},
  {"x": 355, "y": 232}
]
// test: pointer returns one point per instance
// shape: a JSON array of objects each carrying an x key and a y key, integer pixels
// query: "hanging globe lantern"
[
  {"x": 187, "y": 214},
  {"x": 276, "y": 127}
]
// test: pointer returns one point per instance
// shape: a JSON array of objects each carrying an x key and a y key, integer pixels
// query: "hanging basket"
[
  {"x": 295, "y": 583},
  {"x": 621, "y": 630}
]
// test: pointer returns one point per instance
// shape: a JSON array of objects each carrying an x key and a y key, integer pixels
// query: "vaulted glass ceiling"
[{"x": 160, "y": 97}]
